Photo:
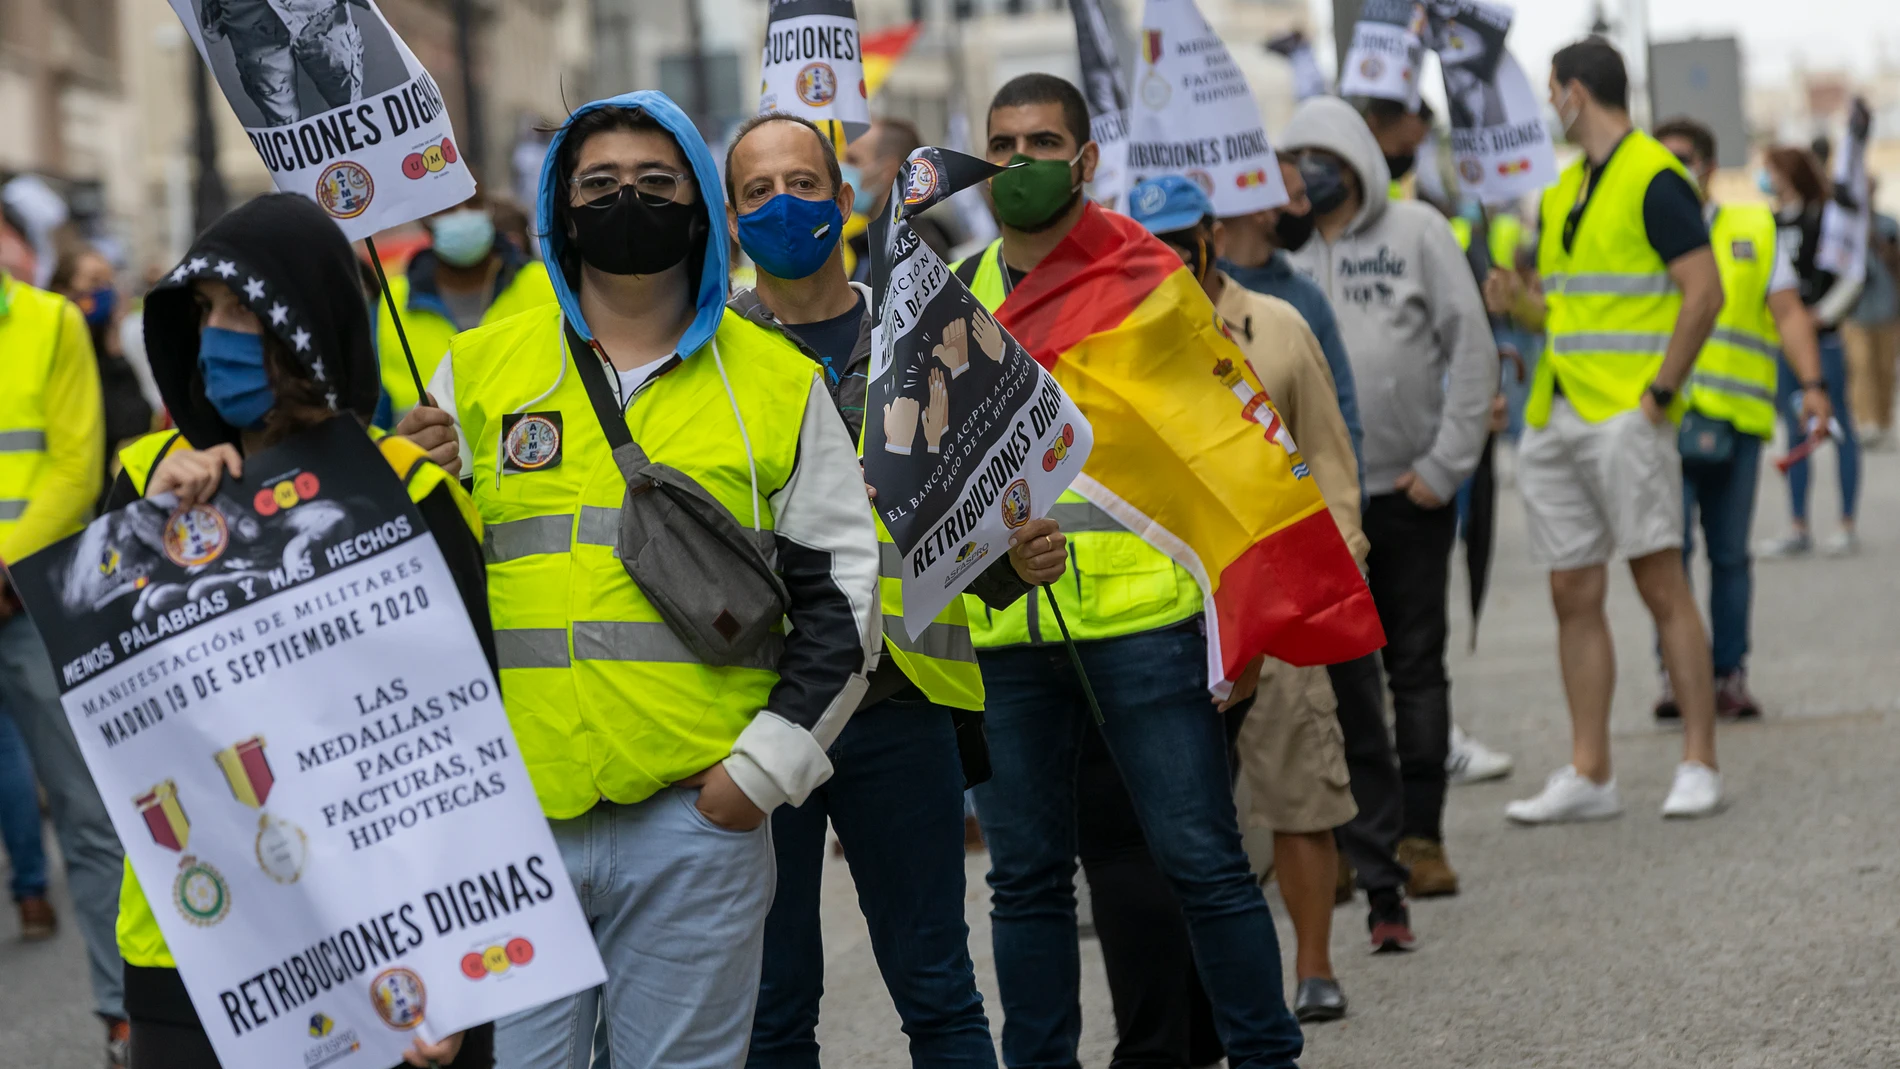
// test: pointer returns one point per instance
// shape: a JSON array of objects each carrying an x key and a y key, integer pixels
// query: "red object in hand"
[{"x": 1801, "y": 452}]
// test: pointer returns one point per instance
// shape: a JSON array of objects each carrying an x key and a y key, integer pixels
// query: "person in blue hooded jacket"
[{"x": 656, "y": 771}]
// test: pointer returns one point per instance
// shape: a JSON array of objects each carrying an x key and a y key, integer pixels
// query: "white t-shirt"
[{"x": 634, "y": 378}]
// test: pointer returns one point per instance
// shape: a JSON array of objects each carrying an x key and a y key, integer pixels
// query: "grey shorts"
[{"x": 1594, "y": 491}]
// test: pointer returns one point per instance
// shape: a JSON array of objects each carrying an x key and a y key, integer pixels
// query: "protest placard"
[
  {"x": 813, "y": 65},
  {"x": 1844, "y": 230},
  {"x": 1194, "y": 114},
  {"x": 1308, "y": 79},
  {"x": 292, "y": 724},
  {"x": 336, "y": 105},
  {"x": 1108, "y": 100},
  {"x": 966, "y": 437},
  {"x": 1500, "y": 146},
  {"x": 1387, "y": 52}
]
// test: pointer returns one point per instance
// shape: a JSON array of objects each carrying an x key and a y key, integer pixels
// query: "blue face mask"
[
  {"x": 236, "y": 383},
  {"x": 1764, "y": 183},
  {"x": 464, "y": 238},
  {"x": 862, "y": 199},
  {"x": 791, "y": 237},
  {"x": 100, "y": 305}
]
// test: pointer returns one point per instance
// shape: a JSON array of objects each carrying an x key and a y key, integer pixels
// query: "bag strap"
[{"x": 613, "y": 422}]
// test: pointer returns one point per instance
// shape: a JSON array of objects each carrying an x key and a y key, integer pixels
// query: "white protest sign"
[
  {"x": 1108, "y": 101},
  {"x": 1387, "y": 52},
  {"x": 1308, "y": 79},
  {"x": 1194, "y": 115},
  {"x": 1845, "y": 231},
  {"x": 1500, "y": 146},
  {"x": 812, "y": 65},
  {"x": 336, "y": 105},
  {"x": 302, "y": 747}
]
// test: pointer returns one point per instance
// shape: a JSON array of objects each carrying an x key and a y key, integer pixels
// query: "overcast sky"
[{"x": 1776, "y": 34}]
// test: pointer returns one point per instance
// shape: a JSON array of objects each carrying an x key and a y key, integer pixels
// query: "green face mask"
[{"x": 1031, "y": 196}]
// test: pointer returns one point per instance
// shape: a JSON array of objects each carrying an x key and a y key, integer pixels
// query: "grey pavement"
[{"x": 1760, "y": 939}]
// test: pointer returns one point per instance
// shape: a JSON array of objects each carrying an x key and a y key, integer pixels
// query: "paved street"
[{"x": 1762, "y": 938}]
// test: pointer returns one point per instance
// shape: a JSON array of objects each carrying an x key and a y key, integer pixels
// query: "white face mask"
[{"x": 1566, "y": 117}]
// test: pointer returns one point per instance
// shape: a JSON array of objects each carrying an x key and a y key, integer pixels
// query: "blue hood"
[{"x": 711, "y": 298}]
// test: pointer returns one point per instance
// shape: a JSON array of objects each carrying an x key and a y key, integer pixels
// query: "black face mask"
[
  {"x": 1293, "y": 231},
  {"x": 625, "y": 235},
  {"x": 1401, "y": 165},
  {"x": 1325, "y": 183}
]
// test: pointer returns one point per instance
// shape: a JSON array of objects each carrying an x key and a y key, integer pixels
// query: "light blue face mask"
[
  {"x": 464, "y": 238},
  {"x": 236, "y": 383},
  {"x": 1765, "y": 182},
  {"x": 863, "y": 199}
]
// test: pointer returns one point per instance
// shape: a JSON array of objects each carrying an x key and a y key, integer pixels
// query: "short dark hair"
[
  {"x": 896, "y": 138},
  {"x": 830, "y": 154},
  {"x": 1598, "y": 66},
  {"x": 1029, "y": 89},
  {"x": 1700, "y": 137},
  {"x": 1384, "y": 112}
]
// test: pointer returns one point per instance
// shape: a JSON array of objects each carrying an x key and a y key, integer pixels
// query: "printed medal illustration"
[
  {"x": 200, "y": 893},
  {"x": 281, "y": 846},
  {"x": 165, "y": 817}
]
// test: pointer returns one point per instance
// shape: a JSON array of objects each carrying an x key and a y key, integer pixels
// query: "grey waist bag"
[{"x": 714, "y": 581}]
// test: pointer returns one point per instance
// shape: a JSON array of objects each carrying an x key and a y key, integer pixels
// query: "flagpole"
[
  {"x": 1075, "y": 655},
  {"x": 389, "y": 301}
]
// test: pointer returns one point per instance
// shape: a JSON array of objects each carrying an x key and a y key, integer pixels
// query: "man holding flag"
[{"x": 1236, "y": 557}]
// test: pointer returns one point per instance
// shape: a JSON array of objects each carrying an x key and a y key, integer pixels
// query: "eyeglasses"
[{"x": 654, "y": 187}]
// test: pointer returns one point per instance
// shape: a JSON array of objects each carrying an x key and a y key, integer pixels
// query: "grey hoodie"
[{"x": 1409, "y": 312}]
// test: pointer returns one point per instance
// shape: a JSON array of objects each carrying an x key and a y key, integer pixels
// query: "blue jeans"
[
  {"x": 20, "y": 815},
  {"x": 1170, "y": 747},
  {"x": 1724, "y": 494},
  {"x": 29, "y": 695},
  {"x": 896, "y": 797},
  {"x": 677, "y": 905},
  {"x": 1846, "y": 450}
]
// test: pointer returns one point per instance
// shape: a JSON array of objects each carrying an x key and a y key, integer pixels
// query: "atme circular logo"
[
  {"x": 534, "y": 442},
  {"x": 816, "y": 84},
  {"x": 345, "y": 190},
  {"x": 1016, "y": 504},
  {"x": 920, "y": 181},
  {"x": 399, "y": 998},
  {"x": 196, "y": 536}
]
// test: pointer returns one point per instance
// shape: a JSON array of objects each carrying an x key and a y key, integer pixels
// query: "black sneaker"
[
  {"x": 1667, "y": 711},
  {"x": 1390, "y": 922}
]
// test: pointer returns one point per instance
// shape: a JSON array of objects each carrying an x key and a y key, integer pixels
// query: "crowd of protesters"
[{"x": 1626, "y": 305}]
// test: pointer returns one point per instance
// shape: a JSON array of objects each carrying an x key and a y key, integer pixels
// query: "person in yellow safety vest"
[
  {"x": 1137, "y": 620},
  {"x": 1633, "y": 290},
  {"x": 260, "y": 333},
  {"x": 465, "y": 278},
  {"x": 897, "y": 795},
  {"x": 1732, "y": 406},
  {"x": 52, "y": 448},
  {"x": 656, "y": 768},
  {"x": 1400, "y": 131}
]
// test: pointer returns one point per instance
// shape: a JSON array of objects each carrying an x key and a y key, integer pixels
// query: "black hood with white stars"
[{"x": 289, "y": 264}]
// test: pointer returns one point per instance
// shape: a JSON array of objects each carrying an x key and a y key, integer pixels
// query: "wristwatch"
[{"x": 1663, "y": 394}]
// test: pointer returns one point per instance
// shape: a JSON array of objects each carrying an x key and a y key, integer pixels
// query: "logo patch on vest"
[
  {"x": 530, "y": 441},
  {"x": 1742, "y": 249}
]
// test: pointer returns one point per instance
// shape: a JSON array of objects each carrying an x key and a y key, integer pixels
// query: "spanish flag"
[
  {"x": 1189, "y": 451},
  {"x": 881, "y": 51}
]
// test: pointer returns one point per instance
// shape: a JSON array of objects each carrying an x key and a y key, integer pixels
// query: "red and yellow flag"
[
  {"x": 1189, "y": 451},
  {"x": 882, "y": 50}
]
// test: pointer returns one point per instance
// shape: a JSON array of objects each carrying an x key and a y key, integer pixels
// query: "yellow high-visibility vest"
[
  {"x": 1734, "y": 376},
  {"x": 1612, "y": 305},
  {"x": 1117, "y": 583},
  {"x": 30, "y": 324},
  {"x": 429, "y": 328},
  {"x": 140, "y": 941},
  {"x": 605, "y": 700}
]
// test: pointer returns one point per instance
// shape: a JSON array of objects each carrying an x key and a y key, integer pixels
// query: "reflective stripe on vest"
[
  {"x": 30, "y": 324},
  {"x": 941, "y": 660},
  {"x": 140, "y": 940},
  {"x": 1117, "y": 584},
  {"x": 1612, "y": 305},
  {"x": 1734, "y": 375},
  {"x": 604, "y": 701}
]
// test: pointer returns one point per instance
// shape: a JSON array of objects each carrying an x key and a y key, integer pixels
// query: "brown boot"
[
  {"x": 1432, "y": 875},
  {"x": 38, "y": 922}
]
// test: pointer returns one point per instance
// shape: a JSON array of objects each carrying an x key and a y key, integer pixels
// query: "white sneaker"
[
  {"x": 1471, "y": 761},
  {"x": 1844, "y": 544},
  {"x": 1697, "y": 791},
  {"x": 1567, "y": 796},
  {"x": 1793, "y": 545}
]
